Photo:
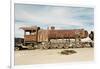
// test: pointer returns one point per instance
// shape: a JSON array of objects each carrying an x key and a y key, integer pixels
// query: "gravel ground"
[{"x": 39, "y": 56}]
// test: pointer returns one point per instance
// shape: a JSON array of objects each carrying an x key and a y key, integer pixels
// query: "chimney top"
[{"x": 52, "y": 28}]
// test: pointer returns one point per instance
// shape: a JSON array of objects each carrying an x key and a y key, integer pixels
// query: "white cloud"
[
  {"x": 53, "y": 18},
  {"x": 57, "y": 16}
]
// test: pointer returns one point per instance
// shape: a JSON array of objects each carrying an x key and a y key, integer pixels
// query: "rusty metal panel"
[
  {"x": 60, "y": 34},
  {"x": 30, "y": 38},
  {"x": 43, "y": 35}
]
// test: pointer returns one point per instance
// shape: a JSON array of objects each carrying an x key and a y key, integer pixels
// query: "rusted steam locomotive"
[{"x": 40, "y": 38}]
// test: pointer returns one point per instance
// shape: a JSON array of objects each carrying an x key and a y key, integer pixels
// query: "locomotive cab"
[{"x": 30, "y": 35}]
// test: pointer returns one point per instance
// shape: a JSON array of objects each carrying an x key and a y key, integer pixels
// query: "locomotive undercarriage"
[
  {"x": 50, "y": 45},
  {"x": 54, "y": 44}
]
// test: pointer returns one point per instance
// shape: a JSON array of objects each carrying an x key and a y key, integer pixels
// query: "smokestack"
[{"x": 52, "y": 28}]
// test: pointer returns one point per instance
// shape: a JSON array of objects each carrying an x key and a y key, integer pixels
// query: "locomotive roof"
[{"x": 29, "y": 28}]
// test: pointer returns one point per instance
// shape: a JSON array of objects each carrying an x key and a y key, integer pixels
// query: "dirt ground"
[{"x": 39, "y": 56}]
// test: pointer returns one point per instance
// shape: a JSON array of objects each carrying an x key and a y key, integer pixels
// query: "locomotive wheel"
[
  {"x": 60, "y": 47},
  {"x": 46, "y": 47},
  {"x": 30, "y": 47},
  {"x": 41, "y": 47},
  {"x": 17, "y": 48},
  {"x": 55, "y": 46},
  {"x": 65, "y": 47},
  {"x": 51, "y": 47}
]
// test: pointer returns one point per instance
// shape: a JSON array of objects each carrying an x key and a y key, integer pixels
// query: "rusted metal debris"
[{"x": 68, "y": 52}]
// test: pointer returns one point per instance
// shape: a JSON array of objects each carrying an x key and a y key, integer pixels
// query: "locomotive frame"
[{"x": 39, "y": 38}]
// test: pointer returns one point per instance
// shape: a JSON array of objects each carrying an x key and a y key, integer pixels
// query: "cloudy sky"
[{"x": 62, "y": 17}]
